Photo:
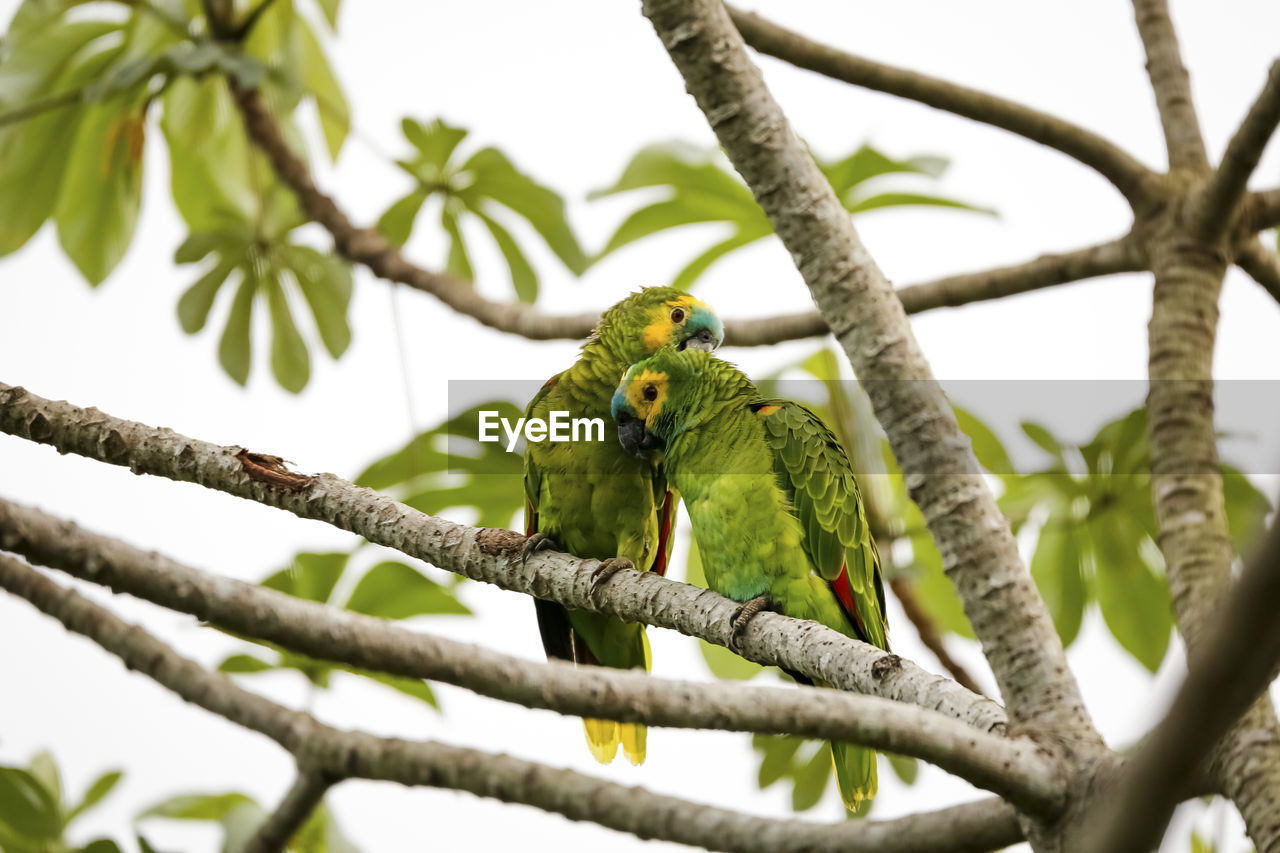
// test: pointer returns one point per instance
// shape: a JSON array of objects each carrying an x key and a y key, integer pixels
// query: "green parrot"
[
  {"x": 595, "y": 500},
  {"x": 775, "y": 507}
]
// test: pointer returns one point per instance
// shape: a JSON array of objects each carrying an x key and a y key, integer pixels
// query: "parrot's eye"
[
  {"x": 650, "y": 392},
  {"x": 677, "y": 315}
]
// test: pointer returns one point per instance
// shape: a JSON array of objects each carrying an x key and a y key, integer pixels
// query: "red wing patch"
[
  {"x": 665, "y": 519},
  {"x": 530, "y": 518},
  {"x": 767, "y": 410},
  {"x": 844, "y": 594}
]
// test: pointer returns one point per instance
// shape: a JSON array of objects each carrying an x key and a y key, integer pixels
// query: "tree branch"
[
  {"x": 1172, "y": 86},
  {"x": 368, "y": 247},
  {"x": 491, "y": 555},
  {"x": 1226, "y": 674},
  {"x": 307, "y": 792},
  {"x": 1012, "y": 768},
  {"x": 1212, "y": 209},
  {"x": 905, "y": 592},
  {"x": 1263, "y": 210},
  {"x": 944, "y": 479},
  {"x": 987, "y": 825},
  {"x": 1119, "y": 167},
  {"x": 1262, "y": 265}
]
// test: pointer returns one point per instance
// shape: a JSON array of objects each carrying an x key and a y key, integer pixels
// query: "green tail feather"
[{"x": 855, "y": 773}]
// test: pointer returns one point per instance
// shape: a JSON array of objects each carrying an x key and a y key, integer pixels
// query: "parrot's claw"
[
  {"x": 742, "y": 616},
  {"x": 534, "y": 543},
  {"x": 607, "y": 569}
]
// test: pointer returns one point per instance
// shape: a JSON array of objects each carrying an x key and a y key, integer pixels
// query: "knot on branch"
[
  {"x": 499, "y": 541},
  {"x": 886, "y": 666},
  {"x": 272, "y": 470}
]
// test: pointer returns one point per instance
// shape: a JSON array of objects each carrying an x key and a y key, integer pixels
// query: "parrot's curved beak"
[
  {"x": 704, "y": 340},
  {"x": 634, "y": 438}
]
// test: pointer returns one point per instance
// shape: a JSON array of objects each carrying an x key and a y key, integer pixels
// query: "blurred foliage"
[
  {"x": 387, "y": 590},
  {"x": 34, "y": 816},
  {"x": 239, "y": 816},
  {"x": 806, "y": 766},
  {"x": 78, "y": 86},
  {"x": 697, "y": 187},
  {"x": 484, "y": 186},
  {"x": 446, "y": 467}
]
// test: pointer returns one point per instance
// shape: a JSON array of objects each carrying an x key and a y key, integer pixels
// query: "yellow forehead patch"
[
  {"x": 658, "y": 333},
  {"x": 647, "y": 409}
]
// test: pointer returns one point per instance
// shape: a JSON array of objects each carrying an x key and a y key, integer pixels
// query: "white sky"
[{"x": 571, "y": 90}]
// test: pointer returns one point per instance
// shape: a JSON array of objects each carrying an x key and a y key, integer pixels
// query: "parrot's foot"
[
  {"x": 743, "y": 615},
  {"x": 606, "y": 570},
  {"x": 534, "y": 543}
]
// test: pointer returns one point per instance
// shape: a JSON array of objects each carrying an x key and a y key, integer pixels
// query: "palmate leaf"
[
  {"x": 486, "y": 187},
  {"x": 272, "y": 271},
  {"x": 698, "y": 188},
  {"x": 239, "y": 816}
]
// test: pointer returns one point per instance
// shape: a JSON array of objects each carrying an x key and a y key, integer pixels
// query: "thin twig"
[
  {"x": 1119, "y": 167},
  {"x": 1263, "y": 210},
  {"x": 929, "y": 634},
  {"x": 1262, "y": 265},
  {"x": 982, "y": 826},
  {"x": 299, "y": 802}
]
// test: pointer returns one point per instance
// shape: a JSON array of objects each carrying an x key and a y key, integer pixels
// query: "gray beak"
[
  {"x": 704, "y": 341},
  {"x": 634, "y": 438}
]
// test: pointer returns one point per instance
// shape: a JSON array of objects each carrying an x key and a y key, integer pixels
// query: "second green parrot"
[{"x": 775, "y": 507}]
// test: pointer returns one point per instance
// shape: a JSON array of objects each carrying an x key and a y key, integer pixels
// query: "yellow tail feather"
[
  {"x": 633, "y": 736},
  {"x": 603, "y": 738}
]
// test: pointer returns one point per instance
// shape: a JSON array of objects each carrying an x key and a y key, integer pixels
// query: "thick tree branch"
[
  {"x": 368, "y": 247},
  {"x": 1262, "y": 265},
  {"x": 1187, "y": 492},
  {"x": 490, "y": 555},
  {"x": 303, "y": 797},
  {"x": 1228, "y": 672},
  {"x": 1212, "y": 209},
  {"x": 1011, "y": 768},
  {"x": 944, "y": 479},
  {"x": 982, "y": 826},
  {"x": 1109, "y": 160},
  {"x": 1263, "y": 210},
  {"x": 1172, "y": 86}
]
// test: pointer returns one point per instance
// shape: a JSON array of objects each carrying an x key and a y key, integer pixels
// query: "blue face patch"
[
  {"x": 704, "y": 318},
  {"x": 619, "y": 402}
]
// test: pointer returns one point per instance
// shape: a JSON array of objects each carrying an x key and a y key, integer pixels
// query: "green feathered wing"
[
  {"x": 595, "y": 500},
  {"x": 815, "y": 473}
]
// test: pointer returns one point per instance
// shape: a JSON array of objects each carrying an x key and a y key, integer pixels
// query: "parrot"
[
  {"x": 776, "y": 511},
  {"x": 595, "y": 500}
]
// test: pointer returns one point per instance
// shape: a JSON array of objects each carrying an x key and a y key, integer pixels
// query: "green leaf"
[
  {"x": 245, "y": 665},
  {"x": 693, "y": 270},
  {"x": 317, "y": 77},
  {"x": 311, "y": 576},
  {"x": 523, "y": 278},
  {"x": 209, "y": 156},
  {"x": 101, "y": 845},
  {"x": 197, "y": 300},
  {"x": 330, "y": 10},
  {"x": 459, "y": 262},
  {"x": 679, "y": 164},
  {"x": 198, "y": 806},
  {"x": 414, "y": 687},
  {"x": 904, "y": 767},
  {"x": 1134, "y": 599},
  {"x": 45, "y": 769},
  {"x": 777, "y": 757},
  {"x": 663, "y": 215},
  {"x": 325, "y": 282},
  {"x": 321, "y": 834},
  {"x": 866, "y": 163},
  {"x": 239, "y": 825},
  {"x": 102, "y": 188},
  {"x": 435, "y": 142},
  {"x": 882, "y": 200},
  {"x": 34, "y": 152},
  {"x": 1247, "y": 508},
  {"x": 397, "y": 223},
  {"x": 96, "y": 793},
  {"x": 990, "y": 452},
  {"x": 27, "y": 806},
  {"x": 1043, "y": 438},
  {"x": 392, "y": 590},
  {"x": 811, "y": 780},
  {"x": 495, "y": 177},
  {"x": 1200, "y": 845},
  {"x": 1056, "y": 567},
  {"x": 290, "y": 361},
  {"x": 235, "y": 351}
]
